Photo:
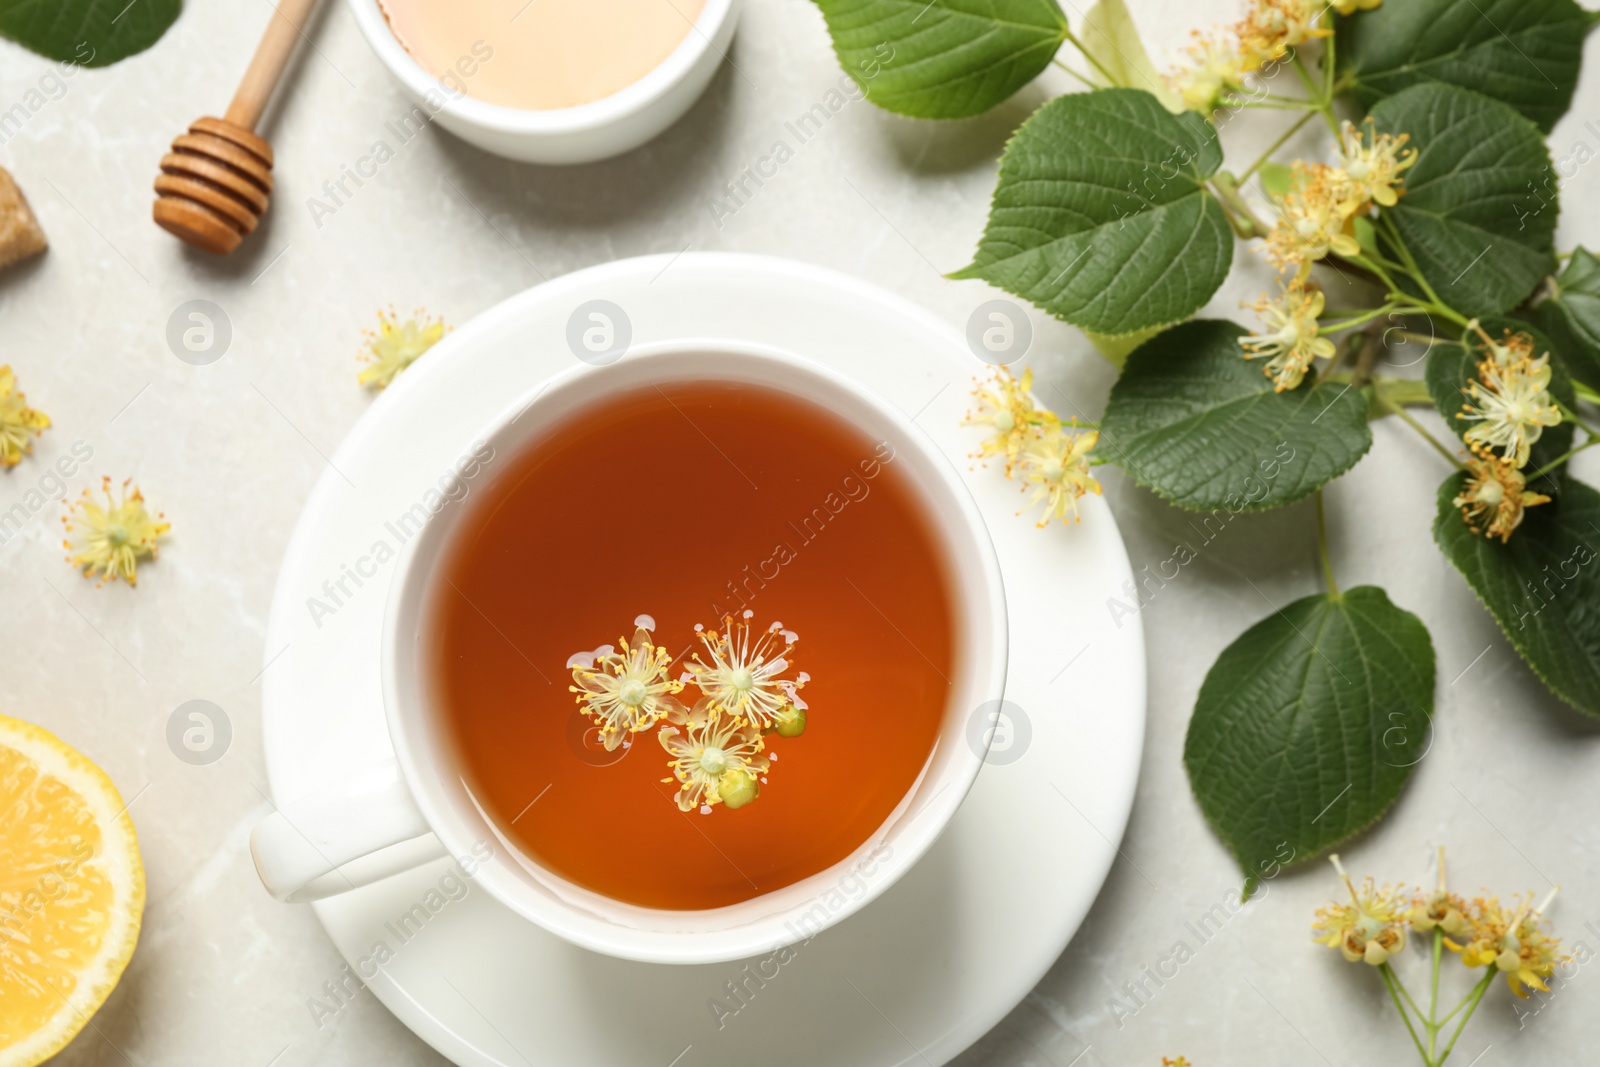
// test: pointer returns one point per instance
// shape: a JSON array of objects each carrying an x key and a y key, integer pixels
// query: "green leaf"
[
  {"x": 87, "y": 33},
  {"x": 1525, "y": 53},
  {"x": 1452, "y": 364},
  {"x": 1101, "y": 216},
  {"x": 944, "y": 60},
  {"x": 1309, "y": 724},
  {"x": 1196, "y": 422},
  {"x": 1571, "y": 316},
  {"x": 1542, "y": 586},
  {"x": 1479, "y": 209},
  {"x": 1108, "y": 31}
]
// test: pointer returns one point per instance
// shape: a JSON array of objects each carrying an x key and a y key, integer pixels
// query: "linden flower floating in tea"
[
  {"x": 748, "y": 688},
  {"x": 717, "y": 761},
  {"x": 19, "y": 423},
  {"x": 114, "y": 538},
  {"x": 396, "y": 346},
  {"x": 628, "y": 691},
  {"x": 1052, "y": 462},
  {"x": 746, "y": 680},
  {"x": 1372, "y": 929}
]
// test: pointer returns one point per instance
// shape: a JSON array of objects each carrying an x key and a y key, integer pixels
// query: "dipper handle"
[
  {"x": 272, "y": 55},
  {"x": 216, "y": 183}
]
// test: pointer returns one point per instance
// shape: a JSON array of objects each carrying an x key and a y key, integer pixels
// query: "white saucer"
[{"x": 915, "y": 977}]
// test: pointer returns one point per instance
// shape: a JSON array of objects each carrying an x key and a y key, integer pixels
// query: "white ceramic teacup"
[
  {"x": 354, "y": 832},
  {"x": 588, "y": 132}
]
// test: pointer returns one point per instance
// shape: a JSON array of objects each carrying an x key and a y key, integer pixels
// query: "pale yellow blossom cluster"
[
  {"x": 1510, "y": 406},
  {"x": 19, "y": 423},
  {"x": 395, "y": 346},
  {"x": 717, "y": 745},
  {"x": 1514, "y": 941},
  {"x": 1289, "y": 342},
  {"x": 1372, "y": 928},
  {"x": 1042, "y": 452},
  {"x": 1317, "y": 217},
  {"x": 114, "y": 537},
  {"x": 1269, "y": 31}
]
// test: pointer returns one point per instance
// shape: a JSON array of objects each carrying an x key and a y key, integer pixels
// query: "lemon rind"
[{"x": 120, "y": 858}]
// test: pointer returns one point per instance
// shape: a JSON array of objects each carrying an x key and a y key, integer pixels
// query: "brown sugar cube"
[{"x": 20, "y": 236}]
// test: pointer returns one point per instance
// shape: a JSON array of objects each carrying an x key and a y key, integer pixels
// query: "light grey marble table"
[{"x": 230, "y": 452}]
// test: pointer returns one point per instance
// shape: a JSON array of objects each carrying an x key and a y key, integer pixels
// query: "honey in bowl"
[
  {"x": 747, "y": 511},
  {"x": 540, "y": 54}
]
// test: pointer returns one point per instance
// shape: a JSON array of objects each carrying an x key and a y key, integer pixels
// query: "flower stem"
[
  {"x": 1277, "y": 103},
  {"x": 1472, "y": 1005},
  {"x": 1324, "y": 107},
  {"x": 1322, "y": 550},
  {"x": 1572, "y": 416},
  {"x": 1433, "y": 996},
  {"x": 1412, "y": 335},
  {"x": 1559, "y": 460},
  {"x": 1390, "y": 982},
  {"x": 1403, "y": 391},
  {"x": 1417, "y": 426},
  {"x": 1244, "y": 221},
  {"x": 1279, "y": 143},
  {"x": 1415, "y": 271},
  {"x": 1075, "y": 74},
  {"x": 1585, "y": 393},
  {"x": 1093, "y": 62},
  {"x": 1358, "y": 319},
  {"x": 1327, "y": 61}
]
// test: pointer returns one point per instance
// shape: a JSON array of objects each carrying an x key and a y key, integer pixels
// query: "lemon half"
[{"x": 71, "y": 892}]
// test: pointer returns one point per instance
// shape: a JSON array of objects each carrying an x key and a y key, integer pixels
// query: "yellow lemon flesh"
[{"x": 71, "y": 892}]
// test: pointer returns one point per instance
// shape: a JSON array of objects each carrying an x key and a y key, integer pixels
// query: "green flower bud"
[
  {"x": 738, "y": 789},
  {"x": 791, "y": 722}
]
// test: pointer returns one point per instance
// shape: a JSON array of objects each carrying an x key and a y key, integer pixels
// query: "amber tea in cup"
[{"x": 743, "y": 510}]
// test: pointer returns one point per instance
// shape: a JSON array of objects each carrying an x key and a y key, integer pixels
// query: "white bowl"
[{"x": 598, "y": 130}]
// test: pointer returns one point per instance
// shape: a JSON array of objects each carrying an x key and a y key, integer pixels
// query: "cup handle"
[{"x": 301, "y": 849}]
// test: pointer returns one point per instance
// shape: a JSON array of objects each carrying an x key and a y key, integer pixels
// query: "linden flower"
[
  {"x": 1313, "y": 221},
  {"x": 1519, "y": 946},
  {"x": 396, "y": 346},
  {"x": 1493, "y": 499},
  {"x": 1373, "y": 169},
  {"x": 1511, "y": 348},
  {"x": 1215, "y": 67},
  {"x": 1291, "y": 335},
  {"x": 628, "y": 691},
  {"x": 1371, "y": 928},
  {"x": 714, "y": 762},
  {"x": 1440, "y": 910},
  {"x": 1056, "y": 464},
  {"x": 18, "y": 422},
  {"x": 1273, "y": 27},
  {"x": 1511, "y": 404},
  {"x": 745, "y": 679},
  {"x": 116, "y": 536},
  {"x": 1005, "y": 405}
]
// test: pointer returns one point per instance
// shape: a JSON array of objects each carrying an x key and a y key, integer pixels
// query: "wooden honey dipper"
[{"x": 215, "y": 184}]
